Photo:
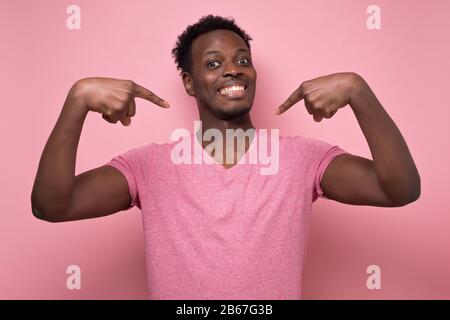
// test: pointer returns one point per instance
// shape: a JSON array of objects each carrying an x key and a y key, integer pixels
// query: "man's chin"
[{"x": 232, "y": 113}]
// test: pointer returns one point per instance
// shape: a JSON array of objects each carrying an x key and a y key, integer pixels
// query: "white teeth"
[{"x": 232, "y": 89}]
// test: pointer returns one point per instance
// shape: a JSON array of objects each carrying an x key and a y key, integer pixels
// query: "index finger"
[
  {"x": 143, "y": 93},
  {"x": 295, "y": 97}
]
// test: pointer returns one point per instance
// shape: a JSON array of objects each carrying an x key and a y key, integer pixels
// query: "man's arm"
[
  {"x": 391, "y": 179},
  {"x": 58, "y": 195}
]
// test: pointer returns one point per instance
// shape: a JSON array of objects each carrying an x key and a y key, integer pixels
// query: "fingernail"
[{"x": 166, "y": 104}]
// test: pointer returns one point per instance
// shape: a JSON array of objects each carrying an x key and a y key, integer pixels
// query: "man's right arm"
[{"x": 58, "y": 195}]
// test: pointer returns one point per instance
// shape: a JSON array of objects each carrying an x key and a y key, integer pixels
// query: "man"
[{"x": 223, "y": 231}]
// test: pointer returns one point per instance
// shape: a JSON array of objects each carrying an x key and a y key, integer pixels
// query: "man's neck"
[{"x": 210, "y": 122}]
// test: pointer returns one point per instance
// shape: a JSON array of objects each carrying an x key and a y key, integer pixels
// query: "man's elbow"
[
  {"x": 43, "y": 213},
  {"x": 412, "y": 194},
  {"x": 40, "y": 214}
]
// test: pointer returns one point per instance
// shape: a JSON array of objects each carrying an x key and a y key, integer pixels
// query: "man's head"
[{"x": 214, "y": 60}]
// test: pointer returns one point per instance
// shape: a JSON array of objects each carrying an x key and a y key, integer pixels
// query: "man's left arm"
[{"x": 391, "y": 179}]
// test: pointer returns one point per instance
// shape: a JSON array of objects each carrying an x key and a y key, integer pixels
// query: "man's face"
[{"x": 222, "y": 77}]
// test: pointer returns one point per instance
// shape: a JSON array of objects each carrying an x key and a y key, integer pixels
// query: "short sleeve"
[
  {"x": 331, "y": 152},
  {"x": 120, "y": 163}
]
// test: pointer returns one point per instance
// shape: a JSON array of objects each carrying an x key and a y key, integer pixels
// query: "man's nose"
[{"x": 231, "y": 69}]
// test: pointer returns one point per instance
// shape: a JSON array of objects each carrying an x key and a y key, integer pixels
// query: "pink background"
[{"x": 406, "y": 63}]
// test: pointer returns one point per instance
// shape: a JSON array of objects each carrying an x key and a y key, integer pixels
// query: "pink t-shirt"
[{"x": 216, "y": 233}]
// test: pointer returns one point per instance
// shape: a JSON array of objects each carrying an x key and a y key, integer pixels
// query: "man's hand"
[
  {"x": 59, "y": 195},
  {"x": 391, "y": 178},
  {"x": 323, "y": 96},
  {"x": 113, "y": 98}
]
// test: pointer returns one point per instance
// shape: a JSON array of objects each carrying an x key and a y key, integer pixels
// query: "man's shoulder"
[
  {"x": 300, "y": 140},
  {"x": 147, "y": 150}
]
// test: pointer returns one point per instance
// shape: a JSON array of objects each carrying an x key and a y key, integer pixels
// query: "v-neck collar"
[{"x": 199, "y": 150}]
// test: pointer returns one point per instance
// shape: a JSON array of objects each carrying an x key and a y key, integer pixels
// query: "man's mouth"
[{"x": 233, "y": 91}]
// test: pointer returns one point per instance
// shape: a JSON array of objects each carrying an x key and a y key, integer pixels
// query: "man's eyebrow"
[{"x": 217, "y": 51}]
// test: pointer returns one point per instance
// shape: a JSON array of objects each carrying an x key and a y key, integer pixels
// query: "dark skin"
[
  {"x": 391, "y": 179},
  {"x": 220, "y": 57}
]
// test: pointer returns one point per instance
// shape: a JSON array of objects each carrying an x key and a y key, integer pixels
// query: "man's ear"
[{"x": 188, "y": 83}]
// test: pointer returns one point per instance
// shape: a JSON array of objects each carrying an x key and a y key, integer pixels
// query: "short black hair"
[{"x": 182, "y": 51}]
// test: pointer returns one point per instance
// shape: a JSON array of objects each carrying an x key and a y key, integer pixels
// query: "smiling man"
[{"x": 222, "y": 230}]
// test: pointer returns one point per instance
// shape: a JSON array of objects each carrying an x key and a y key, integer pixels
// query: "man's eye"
[{"x": 211, "y": 64}]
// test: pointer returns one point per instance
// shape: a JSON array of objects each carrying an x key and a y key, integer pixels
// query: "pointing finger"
[
  {"x": 293, "y": 99},
  {"x": 144, "y": 93}
]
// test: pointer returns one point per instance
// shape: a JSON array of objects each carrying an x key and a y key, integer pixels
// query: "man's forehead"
[{"x": 218, "y": 41}]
